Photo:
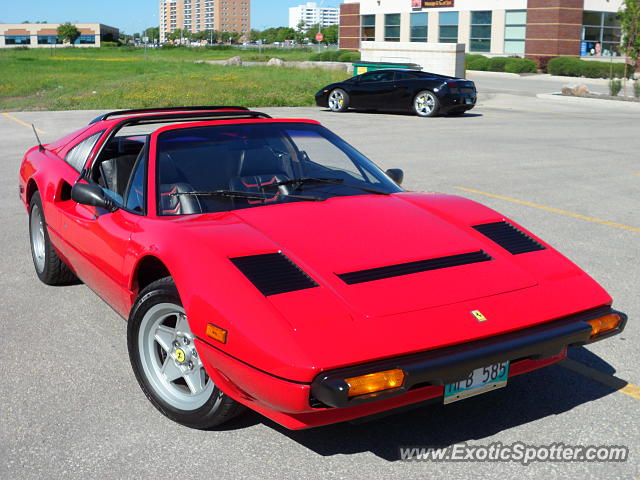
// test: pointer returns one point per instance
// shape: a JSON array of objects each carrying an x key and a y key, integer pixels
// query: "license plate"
[
  {"x": 479, "y": 381},
  {"x": 468, "y": 100}
]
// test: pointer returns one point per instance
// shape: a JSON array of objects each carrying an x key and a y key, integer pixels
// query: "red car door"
[{"x": 94, "y": 241}]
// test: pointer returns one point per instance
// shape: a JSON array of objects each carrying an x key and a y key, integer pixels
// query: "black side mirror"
[
  {"x": 395, "y": 174},
  {"x": 91, "y": 194}
]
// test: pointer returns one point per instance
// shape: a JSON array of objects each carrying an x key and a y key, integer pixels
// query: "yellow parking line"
[
  {"x": 24, "y": 124},
  {"x": 551, "y": 209},
  {"x": 610, "y": 381}
]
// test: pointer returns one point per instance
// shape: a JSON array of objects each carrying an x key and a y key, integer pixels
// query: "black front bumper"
[
  {"x": 322, "y": 99},
  {"x": 448, "y": 365}
]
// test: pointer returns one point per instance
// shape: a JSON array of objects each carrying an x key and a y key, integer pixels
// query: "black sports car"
[{"x": 427, "y": 94}]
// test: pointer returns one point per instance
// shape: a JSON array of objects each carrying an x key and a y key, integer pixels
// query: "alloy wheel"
[{"x": 170, "y": 360}]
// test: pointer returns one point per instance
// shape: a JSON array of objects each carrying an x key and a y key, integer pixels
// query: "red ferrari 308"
[{"x": 267, "y": 263}]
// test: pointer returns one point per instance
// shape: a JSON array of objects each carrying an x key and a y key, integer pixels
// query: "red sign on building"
[{"x": 431, "y": 3}]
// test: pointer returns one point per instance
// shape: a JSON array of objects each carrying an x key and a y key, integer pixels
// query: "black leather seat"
[
  {"x": 116, "y": 173},
  {"x": 171, "y": 204},
  {"x": 260, "y": 169}
]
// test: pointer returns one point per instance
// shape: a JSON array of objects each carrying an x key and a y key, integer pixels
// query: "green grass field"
[{"x": 105, "y": 78}]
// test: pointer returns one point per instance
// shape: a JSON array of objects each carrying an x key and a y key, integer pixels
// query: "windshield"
[{"x": 227, "y": 167}]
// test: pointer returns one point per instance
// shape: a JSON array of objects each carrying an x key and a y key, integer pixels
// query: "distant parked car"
[{"x": 426, "y": 94}]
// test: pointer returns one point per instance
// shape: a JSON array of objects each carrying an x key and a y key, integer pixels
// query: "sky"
[{"x": 131, "y": 16}]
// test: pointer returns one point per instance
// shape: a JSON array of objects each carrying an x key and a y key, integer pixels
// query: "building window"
[
  {"x": 392, "y": 27},
  {"x": 85, "y": 40},
  {"x": 419, "y": 26},
  {"x": 480, "y": 38},
  {"x": 448, "y": 27},
  {"x": 368, "y": 28},
  {"x": 17, "y": 40},
  {"x": 515, "y": 31},
  {"x": 600, "y": 34},
  {"x": 48, "y": 40}
]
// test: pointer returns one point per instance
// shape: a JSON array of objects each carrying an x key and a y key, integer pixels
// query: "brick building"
[
  {"x": 43, "y": 35},
  {"x": 532, "y": 28},
  {"x": 201, "y": 15}
]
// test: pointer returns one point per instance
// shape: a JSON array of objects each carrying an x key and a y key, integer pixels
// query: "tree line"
[{"x": 297, "y": 35}]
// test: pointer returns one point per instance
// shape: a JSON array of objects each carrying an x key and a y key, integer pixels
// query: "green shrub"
[
  {"x": 470, "y": 58},
  {"x": 335, "y": 56},
  {"x": 520, "y": 65},
  {"x": 615, "y": 86},
  {"x": 496, "y": 64},
  {"x": 636, "y": 89},
  {"x": 481, "y": 64},
  {"x": 351, "y": 57},
  {"x": 473, "y": 56},
  {"x": 567, "y": 66},
  {"x": 574, "y": 67},
  {"x": 109, "y": 44}
]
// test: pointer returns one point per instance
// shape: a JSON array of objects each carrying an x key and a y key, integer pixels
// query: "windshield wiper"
[
  {"x": 337, "y": 181},
  {"x": 303, "y": 180},
  {"x": 248, "y": 195}
]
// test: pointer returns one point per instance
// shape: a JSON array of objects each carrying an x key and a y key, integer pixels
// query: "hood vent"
[
  {"x": 379, "y": 273},
  {"x": 273, "y": 273},
  {"x": 512, "y": 239}
]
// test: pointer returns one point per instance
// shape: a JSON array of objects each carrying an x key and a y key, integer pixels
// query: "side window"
[
  {"x": 405, "y": 76},
  {"x": 78, "y": 155},
  {"x": 136, "y": 190},
  {"x": 380, "y": 76},
  {"x": 386, "y": 77},
  {"x": 369, "y": 77}
]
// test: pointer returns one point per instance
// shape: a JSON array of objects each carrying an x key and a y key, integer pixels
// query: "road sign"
[{"x": 319, "y": 37}]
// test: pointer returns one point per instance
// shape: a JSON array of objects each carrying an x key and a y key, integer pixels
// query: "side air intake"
[
  {"x": 380, "y": 273},
  {"x": 273, "y": 273},
  {"x": 512, "y": 239}
]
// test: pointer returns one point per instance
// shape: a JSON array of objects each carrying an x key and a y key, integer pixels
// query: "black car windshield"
[{"x": 225, "y": 167}]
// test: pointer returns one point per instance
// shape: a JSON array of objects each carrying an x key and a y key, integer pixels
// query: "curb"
[
  {"x": 558, "y": 97},
  {"x": 482, "y": 73}
]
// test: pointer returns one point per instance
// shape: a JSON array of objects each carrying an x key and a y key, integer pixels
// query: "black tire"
[
  {"x": 426, "y": 104},
  {"x": 48, "y": 265},
  {"x": 217, "y": 409},
  {"x": 338, "y": 100}
]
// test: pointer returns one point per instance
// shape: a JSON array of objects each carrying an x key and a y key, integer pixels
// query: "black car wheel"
[
  {"x": 167, "y": 364},
  {"x": 426, "y": 104},
  {"x": 49, "y": 266},
  {"x": 338, "y": 100}
]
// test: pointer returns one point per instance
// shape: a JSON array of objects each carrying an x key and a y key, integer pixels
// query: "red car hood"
[{"x": 347, "y": 234}]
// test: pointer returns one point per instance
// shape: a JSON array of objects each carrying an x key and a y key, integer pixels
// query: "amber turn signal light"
[
  {"x": 375, "y": 382},
  {"x": 217, "y": 333},
  {"x": 604, "y": 324}
]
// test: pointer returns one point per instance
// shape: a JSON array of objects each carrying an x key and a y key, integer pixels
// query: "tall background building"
[
  {"x": 311, "y": 14},
  {"x": 199, "y": 15}
]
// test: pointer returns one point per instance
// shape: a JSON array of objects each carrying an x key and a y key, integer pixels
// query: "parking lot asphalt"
[{"x": 71, "y": 408}]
